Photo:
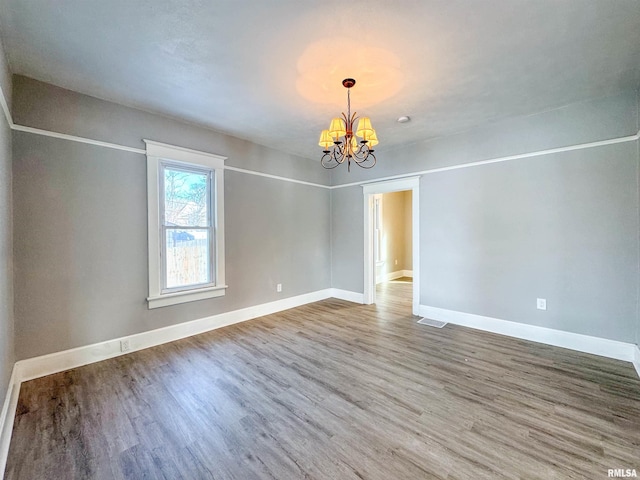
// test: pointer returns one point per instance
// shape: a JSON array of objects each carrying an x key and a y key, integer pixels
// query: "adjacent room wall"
[
  {"x": 81, "y": 222},
  {"x": 7, "y": 357},
  {"x": 495, "y": 237},
  {"x": 394, "y": 235}
]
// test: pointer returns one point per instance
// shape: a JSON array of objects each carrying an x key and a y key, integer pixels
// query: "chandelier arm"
[
  {"x": 362, "y": 153},
  {"x": 325, "y": 161},
  {"x": 338, "y": 154},
  {"x": 367, "y": 159}
]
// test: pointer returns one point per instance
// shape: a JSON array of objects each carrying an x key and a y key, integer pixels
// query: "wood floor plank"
[{"x": 333, "y": 390}]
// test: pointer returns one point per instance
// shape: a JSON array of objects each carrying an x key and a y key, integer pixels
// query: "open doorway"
[
  {"x": 392, "y": 249},
  {"x": 391, "y": 253}
]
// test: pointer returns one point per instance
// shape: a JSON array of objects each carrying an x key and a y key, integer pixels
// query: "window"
[{"x": 185, "y": 191}]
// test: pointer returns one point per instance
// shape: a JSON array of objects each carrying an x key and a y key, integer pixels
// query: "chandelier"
[{"x": 340, "y": 143}]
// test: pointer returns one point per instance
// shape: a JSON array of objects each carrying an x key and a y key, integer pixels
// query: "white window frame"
[{"x": 159, "y": 154}]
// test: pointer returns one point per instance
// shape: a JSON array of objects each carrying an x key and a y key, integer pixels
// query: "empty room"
[{"x": 278, "y": 239}]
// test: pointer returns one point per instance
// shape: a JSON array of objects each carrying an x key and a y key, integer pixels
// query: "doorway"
[{"x": 379, "y": 260}]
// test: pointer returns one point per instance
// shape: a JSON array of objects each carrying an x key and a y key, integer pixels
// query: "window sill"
[{"x": 186, "y": 296}]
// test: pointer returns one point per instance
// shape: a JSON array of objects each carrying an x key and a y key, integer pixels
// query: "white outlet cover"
[
  {"x": 542, "y": 303},
  {"x": 279, "y": 287}
]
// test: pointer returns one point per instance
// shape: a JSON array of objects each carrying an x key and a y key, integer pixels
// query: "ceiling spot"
[{"x": 325, "y": 63}]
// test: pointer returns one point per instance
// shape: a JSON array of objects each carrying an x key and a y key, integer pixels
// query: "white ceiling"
[{"x": 270, "y": 70}]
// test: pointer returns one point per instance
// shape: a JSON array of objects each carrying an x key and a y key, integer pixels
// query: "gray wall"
[
  {"x": 495, "y": 237},
  {"x": 80, "y": 239},
  {"x": 41, "y": 105},
  {"x": 6, "y": 245},
  {"x": 347, "y": 239}
]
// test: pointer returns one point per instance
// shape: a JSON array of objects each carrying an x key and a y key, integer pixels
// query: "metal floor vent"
[{"x": 431, "y": 323}]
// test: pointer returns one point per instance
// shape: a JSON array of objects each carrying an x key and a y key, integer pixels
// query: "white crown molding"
[{"x": 558, "y": 338}]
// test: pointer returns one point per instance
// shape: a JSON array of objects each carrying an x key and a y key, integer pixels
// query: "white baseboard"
[
  {"x": 52, "y": 363},
  {"x": 36, "y": 367},
  {"x": 347, "y": 295},
  {"x": 7, "y": 416},
  {"x": 387, "y": 277},
  {"x": 573, "y": 341},
  {"x": 76, "y": 357},
  {"x": 636, "y": 358}
]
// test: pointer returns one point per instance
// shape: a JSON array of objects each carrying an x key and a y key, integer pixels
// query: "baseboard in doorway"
[
  {"x": 636, "y": 359},
  {"x": 393, "y": 276}
]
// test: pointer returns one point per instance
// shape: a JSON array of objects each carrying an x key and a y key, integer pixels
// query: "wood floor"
[{"x": 333, "y": 390}]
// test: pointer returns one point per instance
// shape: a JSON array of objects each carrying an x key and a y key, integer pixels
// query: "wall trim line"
[
  {"x": 98, "y": 143},
  {"x": 580, "y": 146},
  {"x": 557, "y": 338},
  {"x": 275, "y": 177},
  {"x": 550, "y": 151},
  {"x": 636, "y": 359},
  {"x": 73, "y": 138}
]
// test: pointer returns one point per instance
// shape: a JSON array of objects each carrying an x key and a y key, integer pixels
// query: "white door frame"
[{"x": 369, "y": 190}]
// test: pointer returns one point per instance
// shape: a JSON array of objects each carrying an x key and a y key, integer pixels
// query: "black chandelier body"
[{"x": 340, "y": 141}]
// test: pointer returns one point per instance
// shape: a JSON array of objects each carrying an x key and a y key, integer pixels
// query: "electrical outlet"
[
  {"x": 396, "y": 262},
  {"x": 125, "y": 346},
  {"x": 279, "y": 287},
  {"x": 542, "y": 303}
]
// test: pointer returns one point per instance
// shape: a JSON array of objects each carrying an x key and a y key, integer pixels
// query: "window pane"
[
  {"x": 187, "y": 257},
  {"x": 185, "y": 198}
]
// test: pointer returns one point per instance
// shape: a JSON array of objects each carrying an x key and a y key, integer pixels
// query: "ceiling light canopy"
[{"x": 340, "y": 143}]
